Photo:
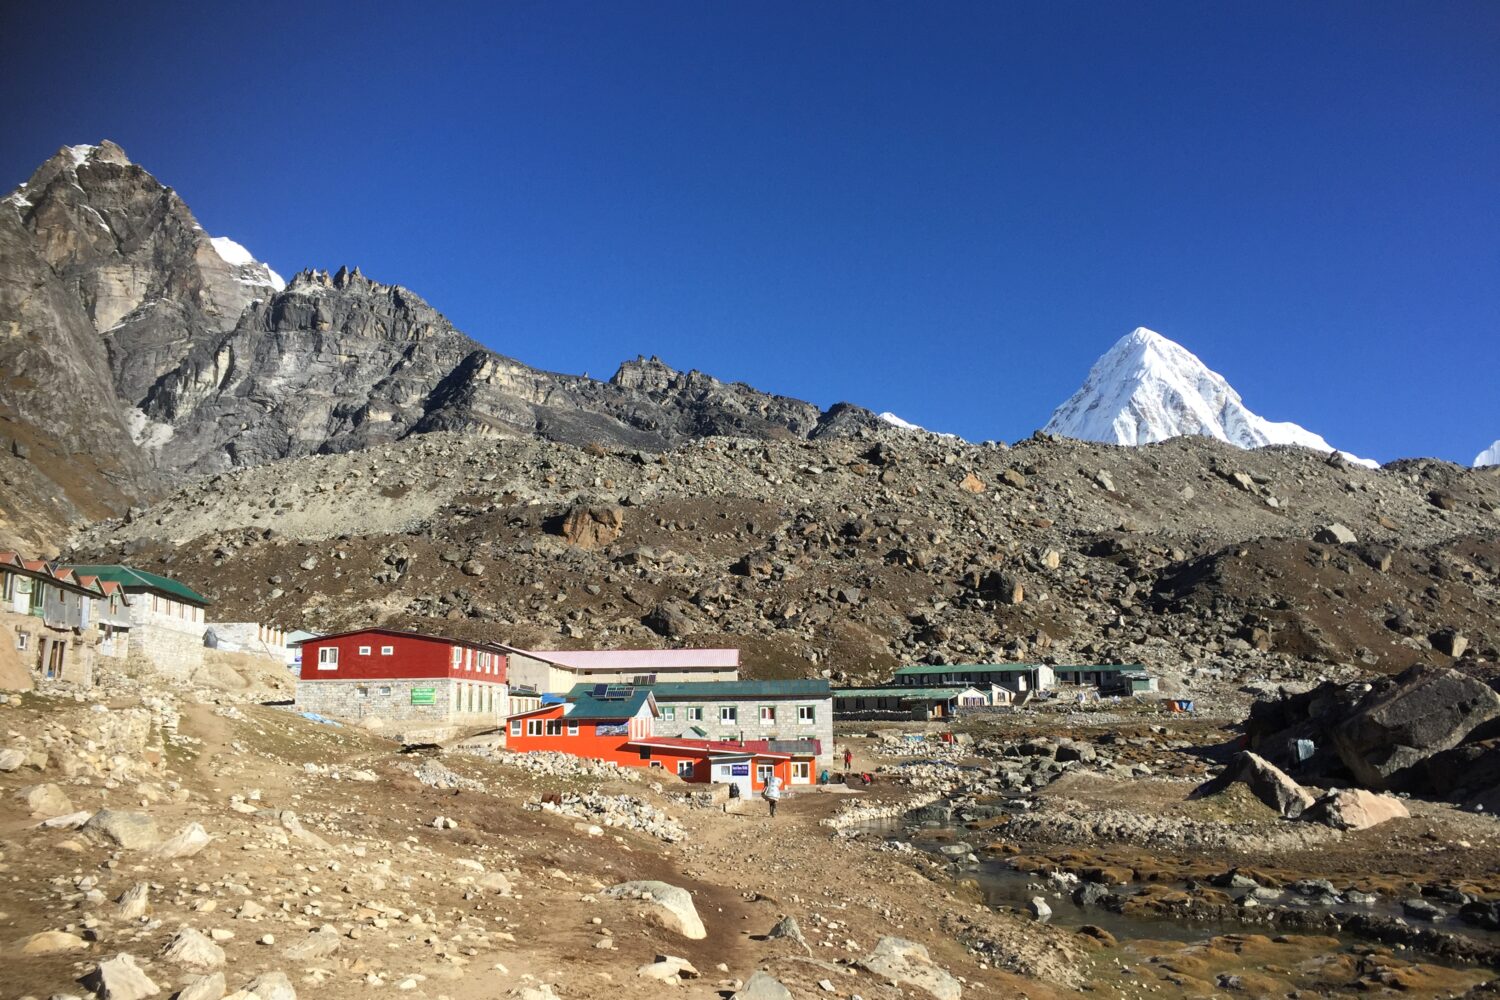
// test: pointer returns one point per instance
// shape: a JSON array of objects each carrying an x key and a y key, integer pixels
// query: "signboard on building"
[
  {"x": 424, "y": 696},
  {"x": 739, "y": 770},
  {"x": 612, "y": 729}
]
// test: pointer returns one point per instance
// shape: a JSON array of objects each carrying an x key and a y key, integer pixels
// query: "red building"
[
  {"x": 618, "y": 725},
  {"x": 403, "y": 676}
]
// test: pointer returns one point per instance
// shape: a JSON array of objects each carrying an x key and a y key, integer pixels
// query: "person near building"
[
  {"x": 773, "y": 793},
  {"x": 848, "y": 759}
]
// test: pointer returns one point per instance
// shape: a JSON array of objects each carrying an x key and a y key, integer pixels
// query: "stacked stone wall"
[{"x": 392, "y": 701}]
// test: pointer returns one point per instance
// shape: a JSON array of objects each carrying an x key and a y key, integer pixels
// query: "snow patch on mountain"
[
  {"x": 248, "y": 270},
  {"x": 1147, "y": 388},
  {"x": 1490, "y": 456},
  {"x": 906, "y": 425}
]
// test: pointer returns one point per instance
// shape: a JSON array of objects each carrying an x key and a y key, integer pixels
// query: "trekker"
[
  {"x": 848, "y": 759},
  {"x": 773, "y": 793}
]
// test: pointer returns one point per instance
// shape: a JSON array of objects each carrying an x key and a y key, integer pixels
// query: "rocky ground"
[
  {"x": 855, "y": 555},
  {"x": 221, "y": 847}
]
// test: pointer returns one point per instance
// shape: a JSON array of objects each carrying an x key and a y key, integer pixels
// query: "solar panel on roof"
[
  {"x": 600, "y": 690},
  {"x": 616, "y": 692}
]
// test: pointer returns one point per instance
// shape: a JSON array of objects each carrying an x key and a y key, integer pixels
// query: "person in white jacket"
[{"x": 772, "y": 793}]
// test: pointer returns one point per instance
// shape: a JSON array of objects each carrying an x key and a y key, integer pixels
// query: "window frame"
[
  {"x": 687, "y": 768},
  {"x": 534, "y": 727},
  {"x": 515, "y": 726},
  {"x": 729, "y": 714},
  {"x": 572, "y": 727},
  {"x": 768, "y": 715},
  {"x": 807, "y": 713},
  {"x": 364, "y": 651},
  {"x": 668, "y": 713},
  {"x": 328, "y": 657}
]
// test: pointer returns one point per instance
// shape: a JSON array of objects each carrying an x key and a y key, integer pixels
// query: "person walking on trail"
[
  {"x": 848, "y": 759},
  {"x": 773, "y": 793}
]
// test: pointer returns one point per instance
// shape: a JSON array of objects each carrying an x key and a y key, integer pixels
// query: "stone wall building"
[
  {"x": 167, "y": 618},
  {"x": 254, "y": 638},
  {"x": 55, "y": 623},
  {"x": 404, "y": 677}
]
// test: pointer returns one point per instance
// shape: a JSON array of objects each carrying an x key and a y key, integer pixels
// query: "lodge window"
[
  {"x": 668, "y": 713},
  {"x": 801, "y": 770},
  {"x": 7, "y": 586},
  {"x": 362, "y": 691},
  {"x": 684, "y": 769},
  {"x": 693, "y": 713},
  {"x": 646, "y": 754},
  {"x": 364, "y": 651},
  {"x": 572, "y": 729},
  {"x": 533, "y": 727},
  {"x": 554, "y": 727},
  {"x": 328, "y": 658},
  {"x": 767, "y": 715},
  {"x": 807, "y": 713},
  {"x": 763, "y": 772},
  {"x": 728, "y": 713},
  {"x": 515, "y": 727},
  {"x": 385, "y": 689},
  {"x": 23, "y": 640}
]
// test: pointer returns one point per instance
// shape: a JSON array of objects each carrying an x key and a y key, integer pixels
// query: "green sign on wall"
[{"x": 424, "y": 696}]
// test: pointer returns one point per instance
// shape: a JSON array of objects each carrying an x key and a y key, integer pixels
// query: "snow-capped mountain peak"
[
  {"x": 1148, "y": 388},
  {"x": 1490, "y": 456},
  {"x": 247, "y": 270}
]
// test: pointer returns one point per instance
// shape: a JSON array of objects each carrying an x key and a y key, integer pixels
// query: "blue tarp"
[{"x": 322, "y": 720}]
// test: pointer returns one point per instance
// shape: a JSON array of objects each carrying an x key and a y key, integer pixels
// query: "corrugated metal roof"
[
  {"x": 140, "y": 579},
  {"x": 929, "y": 669},
  {"x": 639, "y": 659},
  {"x": 719, "y": 690},
  {"x": 589, "y": 707},
  {"x": 913, "y": 692}
]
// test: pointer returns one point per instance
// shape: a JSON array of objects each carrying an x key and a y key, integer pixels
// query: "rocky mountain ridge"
[
  {"x": 140, "y": 350},
  {"x": 860, "y": 553}
]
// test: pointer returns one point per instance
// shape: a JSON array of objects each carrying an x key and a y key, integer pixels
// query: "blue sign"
[{"x": 739, "y": 770}]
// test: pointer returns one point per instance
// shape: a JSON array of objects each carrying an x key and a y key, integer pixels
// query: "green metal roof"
[
  {"x": 585, "y": 706},
  {"x": 911, "y": 693},
  {"x": 722, "y": 690},
  {"x": 934, "y": 669},
  {"x": 139, "y": 579}
]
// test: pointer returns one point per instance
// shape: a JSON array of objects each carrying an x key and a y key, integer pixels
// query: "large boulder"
[
  {"x": 668, "y": 905},
  {"x": 1430, "y": 709},
  {"x": 591, "y": 527},
  {"x": 1356, "y": 809},
  {"x": 761, "y": 986},
  {"x": 192, "y": 948},
  {"x": 192, "y": 839},
  {"x": 131, "y": 830},
  {"x": 907, "y": 963},
  {"x": 45, "y": 800},
  {"x": 120, "y": 978},
  {"x": 1266, "y": 782}
]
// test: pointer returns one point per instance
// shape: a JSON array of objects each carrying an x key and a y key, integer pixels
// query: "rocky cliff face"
[{"x": 138, "y": 349}]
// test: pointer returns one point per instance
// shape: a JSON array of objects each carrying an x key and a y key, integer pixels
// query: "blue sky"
[{"x": 944, "y": 210}]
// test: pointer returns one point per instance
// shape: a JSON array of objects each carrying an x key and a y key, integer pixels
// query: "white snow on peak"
[
  {"x": 248, "y": 270},
  {"x": 80, "y": 154},
  {"x": 1490, "y": 456},
  {"x": 231, "y": 251},
  {"x": 1147, "y": 388},
  {"x": 906, "y": 425},
  {"x": 896, "y": 421}
]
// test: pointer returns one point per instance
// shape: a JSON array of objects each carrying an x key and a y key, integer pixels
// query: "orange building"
[{"x": 617, "y": 724}]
